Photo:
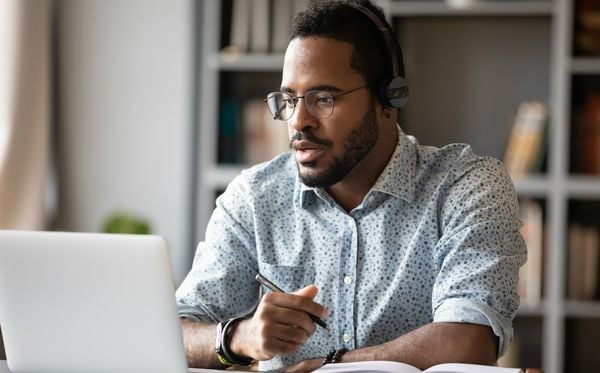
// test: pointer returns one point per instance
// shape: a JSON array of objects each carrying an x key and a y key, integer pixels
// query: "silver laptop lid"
[{"x": 83, "y": 302}]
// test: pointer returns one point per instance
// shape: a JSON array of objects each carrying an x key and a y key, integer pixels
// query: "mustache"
[{"x": 309, "y": 136}]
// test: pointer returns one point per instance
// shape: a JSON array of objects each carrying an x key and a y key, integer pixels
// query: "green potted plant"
[{"x": 122, "y": 222}]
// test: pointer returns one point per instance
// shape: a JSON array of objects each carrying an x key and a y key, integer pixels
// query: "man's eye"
[{"x": 322, "y": 99}]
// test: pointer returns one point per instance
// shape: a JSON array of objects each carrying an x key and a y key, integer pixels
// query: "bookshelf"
[{"x": 522, "y": 50}]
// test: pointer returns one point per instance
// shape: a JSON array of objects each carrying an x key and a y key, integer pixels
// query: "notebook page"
[
  {"x": 368, "y": 367},
  {"x": 469, "y": 368}
]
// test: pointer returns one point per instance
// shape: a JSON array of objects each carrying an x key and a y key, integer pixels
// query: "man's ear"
[{"x": 386, "y": 111}]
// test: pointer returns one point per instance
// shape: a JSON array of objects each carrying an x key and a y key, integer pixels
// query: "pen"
[{"x": 264, "y": 281}]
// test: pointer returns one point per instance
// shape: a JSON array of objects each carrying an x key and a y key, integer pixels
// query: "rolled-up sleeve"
[
  {"x": 480, "y": 251},
  {"x": 221, "y": 282}
]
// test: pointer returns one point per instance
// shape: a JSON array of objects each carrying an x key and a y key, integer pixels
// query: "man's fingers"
[
  {"x": 274, "y": 314},
  {"x": 282, "y": 323},
  {"x": 309, "y": 291},
  {"x": 288, "y": 333},
  {"x": 296, "y": 302}
]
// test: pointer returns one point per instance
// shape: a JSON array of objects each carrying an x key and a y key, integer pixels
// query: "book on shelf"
[
  {"x": 262, "y": 136},
  {"x": 583, "y": 262},
  {"x": 586, "y": 136},
  {"x": 531, "y": 273},
  {"x": 397, "y": 367},
  {"x": 282, "y": 22},
  {"x": 259, "y": 26},
  {"x": 589, "y": 283},
  {"x": 240, "y": 26},
  {"x": 575, "y": 261},
  {"x": 588, "y": 42},
  {"x": 587, "y": 31},
  {"x": 526, "y": 142},
  {"x": 229, "y": 145},
  {"x": 262, "y": 26}
]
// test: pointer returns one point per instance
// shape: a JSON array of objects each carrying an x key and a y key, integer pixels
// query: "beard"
[{"x": 359, "y": 143}]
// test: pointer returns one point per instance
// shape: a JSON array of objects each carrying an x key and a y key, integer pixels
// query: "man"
[{"x": 409, "y": 253}]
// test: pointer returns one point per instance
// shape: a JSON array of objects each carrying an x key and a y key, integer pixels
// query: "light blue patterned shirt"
[{"x": 436, "y": 239}]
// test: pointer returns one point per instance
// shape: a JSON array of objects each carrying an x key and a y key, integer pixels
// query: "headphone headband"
[
  {"x": 394, "y": 91},
  {"x": 387, "y": 37}
]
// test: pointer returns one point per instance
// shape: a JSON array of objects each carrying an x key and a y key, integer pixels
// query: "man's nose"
[{"x": 302, "y": 118}]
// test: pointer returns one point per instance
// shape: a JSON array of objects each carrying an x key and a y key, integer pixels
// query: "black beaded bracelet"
[{"x": 334, "y": 356}]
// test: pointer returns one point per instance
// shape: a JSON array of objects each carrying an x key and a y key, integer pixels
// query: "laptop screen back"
[{"x": 83, "y": 302}]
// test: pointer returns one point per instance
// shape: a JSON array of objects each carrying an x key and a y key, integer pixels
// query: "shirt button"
[
  {"x": 346, "y": 338},
  {"x": 347, "y": 280}
]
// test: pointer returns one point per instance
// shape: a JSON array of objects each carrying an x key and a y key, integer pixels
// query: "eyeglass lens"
[{"x": 282, "y": 105}]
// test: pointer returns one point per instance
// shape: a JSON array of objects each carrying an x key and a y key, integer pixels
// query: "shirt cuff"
[
  {"x": 469, "y": 311},
  {"x": 192, "y": 313}
]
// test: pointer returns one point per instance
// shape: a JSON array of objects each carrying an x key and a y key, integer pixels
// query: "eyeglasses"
[{"x": 319, "y": 103}]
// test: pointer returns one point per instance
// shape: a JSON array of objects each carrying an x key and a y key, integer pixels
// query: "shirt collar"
[{"x": 396, "y": 179}]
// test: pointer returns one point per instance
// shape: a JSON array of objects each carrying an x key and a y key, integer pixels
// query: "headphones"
[{"x": 393, "y": 91}]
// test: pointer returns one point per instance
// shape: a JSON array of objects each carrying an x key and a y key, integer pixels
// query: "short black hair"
[{"x": 336, "y": 20}]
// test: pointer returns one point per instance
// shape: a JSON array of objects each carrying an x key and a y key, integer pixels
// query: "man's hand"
[{"x": 280, "y": 325}]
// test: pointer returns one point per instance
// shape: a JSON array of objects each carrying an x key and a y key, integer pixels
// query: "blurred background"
[{"x": 133, "y": 115}]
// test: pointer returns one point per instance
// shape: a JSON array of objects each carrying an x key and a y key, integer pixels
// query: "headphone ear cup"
[{"x": 394, "y": 92}]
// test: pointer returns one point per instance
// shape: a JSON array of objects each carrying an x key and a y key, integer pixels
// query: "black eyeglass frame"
[{"x": 295, "y": 99}]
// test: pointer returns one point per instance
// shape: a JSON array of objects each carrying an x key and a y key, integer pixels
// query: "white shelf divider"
[
  {"x": 472, "y": 8},
  {"x": 582, "y": 309},
  {"x": 583, "y": 186},
  {"x": 585, "y": 65},
  {"x": 533, "y": 186},
  {"x": 246, "y": 62},
  {"x": 220, "y": 176},
  {"x": 537, "y": 310}
]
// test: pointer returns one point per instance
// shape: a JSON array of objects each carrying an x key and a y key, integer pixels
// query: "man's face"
[{"x": 328, "y": 149}]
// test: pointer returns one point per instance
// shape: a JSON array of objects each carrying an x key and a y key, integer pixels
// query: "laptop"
[{"x": 85, "y": 302}]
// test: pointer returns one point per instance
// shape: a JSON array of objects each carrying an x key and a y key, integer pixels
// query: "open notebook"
[{"x": 396, "y": 367}]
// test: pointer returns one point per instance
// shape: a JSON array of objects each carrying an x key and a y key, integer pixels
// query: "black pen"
[{"x": 264, "y": 281}]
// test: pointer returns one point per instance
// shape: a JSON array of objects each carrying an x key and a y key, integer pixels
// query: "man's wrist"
[
  {"x": 225, "y": 354},
  {"x": 334, "y": 356},
  {"x": 236, "y": 342}
]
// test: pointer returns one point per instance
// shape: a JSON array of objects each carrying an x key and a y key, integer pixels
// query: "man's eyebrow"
[{"x": 322, "y": 87}]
